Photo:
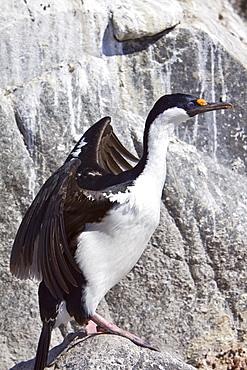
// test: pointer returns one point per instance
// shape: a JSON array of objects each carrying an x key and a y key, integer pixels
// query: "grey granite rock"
[
  {"x": 109, "y": 352},
  {"x": 62, "y": 69},
  {"x": 136, "y": 19}
]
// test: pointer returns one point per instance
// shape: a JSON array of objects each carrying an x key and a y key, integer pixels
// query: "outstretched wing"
[
  {"x": 43, "y": 247},
  {"x": 100, "y": 150}
]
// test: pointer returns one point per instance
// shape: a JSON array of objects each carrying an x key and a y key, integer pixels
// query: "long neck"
[
  {"x": 157, "y": 136},
  {"x": 155, "y": 151}
]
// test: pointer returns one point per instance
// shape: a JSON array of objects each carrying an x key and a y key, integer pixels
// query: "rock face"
[
  {"x": 134, "y": 20},
  {"x": 66, "y": 64},
  {"x": 109, "y": 352}
]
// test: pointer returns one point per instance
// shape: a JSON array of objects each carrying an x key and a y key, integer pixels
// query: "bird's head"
[
  {"x": 194, "y": 106},
  {"x": 177, "y": 108}
]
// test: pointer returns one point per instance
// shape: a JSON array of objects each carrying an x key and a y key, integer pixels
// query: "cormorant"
[{"x": 92, "y": 219}]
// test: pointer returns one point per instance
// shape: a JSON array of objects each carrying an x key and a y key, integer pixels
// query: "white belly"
[{"x": 108, "y": 250}]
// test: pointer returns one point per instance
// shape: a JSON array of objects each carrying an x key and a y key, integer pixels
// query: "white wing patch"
[
  {"x": 77, "y": 150},
  {"x": 120, "y": 197},
  {"x": 95, "y": 173}
]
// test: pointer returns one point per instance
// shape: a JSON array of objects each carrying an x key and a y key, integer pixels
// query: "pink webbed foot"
[
  {"x": 91, "y": 328},
  {"x": 97, "y": 324}
]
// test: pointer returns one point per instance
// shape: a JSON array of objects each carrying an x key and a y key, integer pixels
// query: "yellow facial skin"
[{"x": 201, "y": 102}]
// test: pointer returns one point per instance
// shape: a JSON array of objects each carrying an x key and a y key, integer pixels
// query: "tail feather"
[{"x": 43, "y": 347}]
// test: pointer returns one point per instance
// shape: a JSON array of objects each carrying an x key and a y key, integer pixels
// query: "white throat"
[{"x": 160, "y": 133}]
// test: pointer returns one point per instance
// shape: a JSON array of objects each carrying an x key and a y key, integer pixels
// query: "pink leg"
[
  {"x": 91, "y": 327},
  {"x": 109, "y": 327}
]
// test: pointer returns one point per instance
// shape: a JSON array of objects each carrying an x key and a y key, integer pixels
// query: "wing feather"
[
  {"x": 43, "y": 248},
  {"x": 42, "y": 228},
  {"x": 112, "y": 155}
]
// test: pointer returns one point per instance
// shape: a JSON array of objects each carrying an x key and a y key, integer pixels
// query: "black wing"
[
  {"x": 43, "y": 247},
  {"x": 100, "y": 150}
]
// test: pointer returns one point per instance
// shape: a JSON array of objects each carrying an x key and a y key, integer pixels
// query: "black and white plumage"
[{"x": 92, "y": 219}]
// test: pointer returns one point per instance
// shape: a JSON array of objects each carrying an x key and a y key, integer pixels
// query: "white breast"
[{"x": 108, "y": 250}]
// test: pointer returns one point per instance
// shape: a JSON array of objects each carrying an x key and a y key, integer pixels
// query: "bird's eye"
[{"x": 190, "y": 105}]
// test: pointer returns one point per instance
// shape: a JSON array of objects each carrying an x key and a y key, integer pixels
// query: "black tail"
[{"x": 43, "y": 347}]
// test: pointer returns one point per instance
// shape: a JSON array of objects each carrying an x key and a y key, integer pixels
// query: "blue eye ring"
[{"x": 191, "y": 105}]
